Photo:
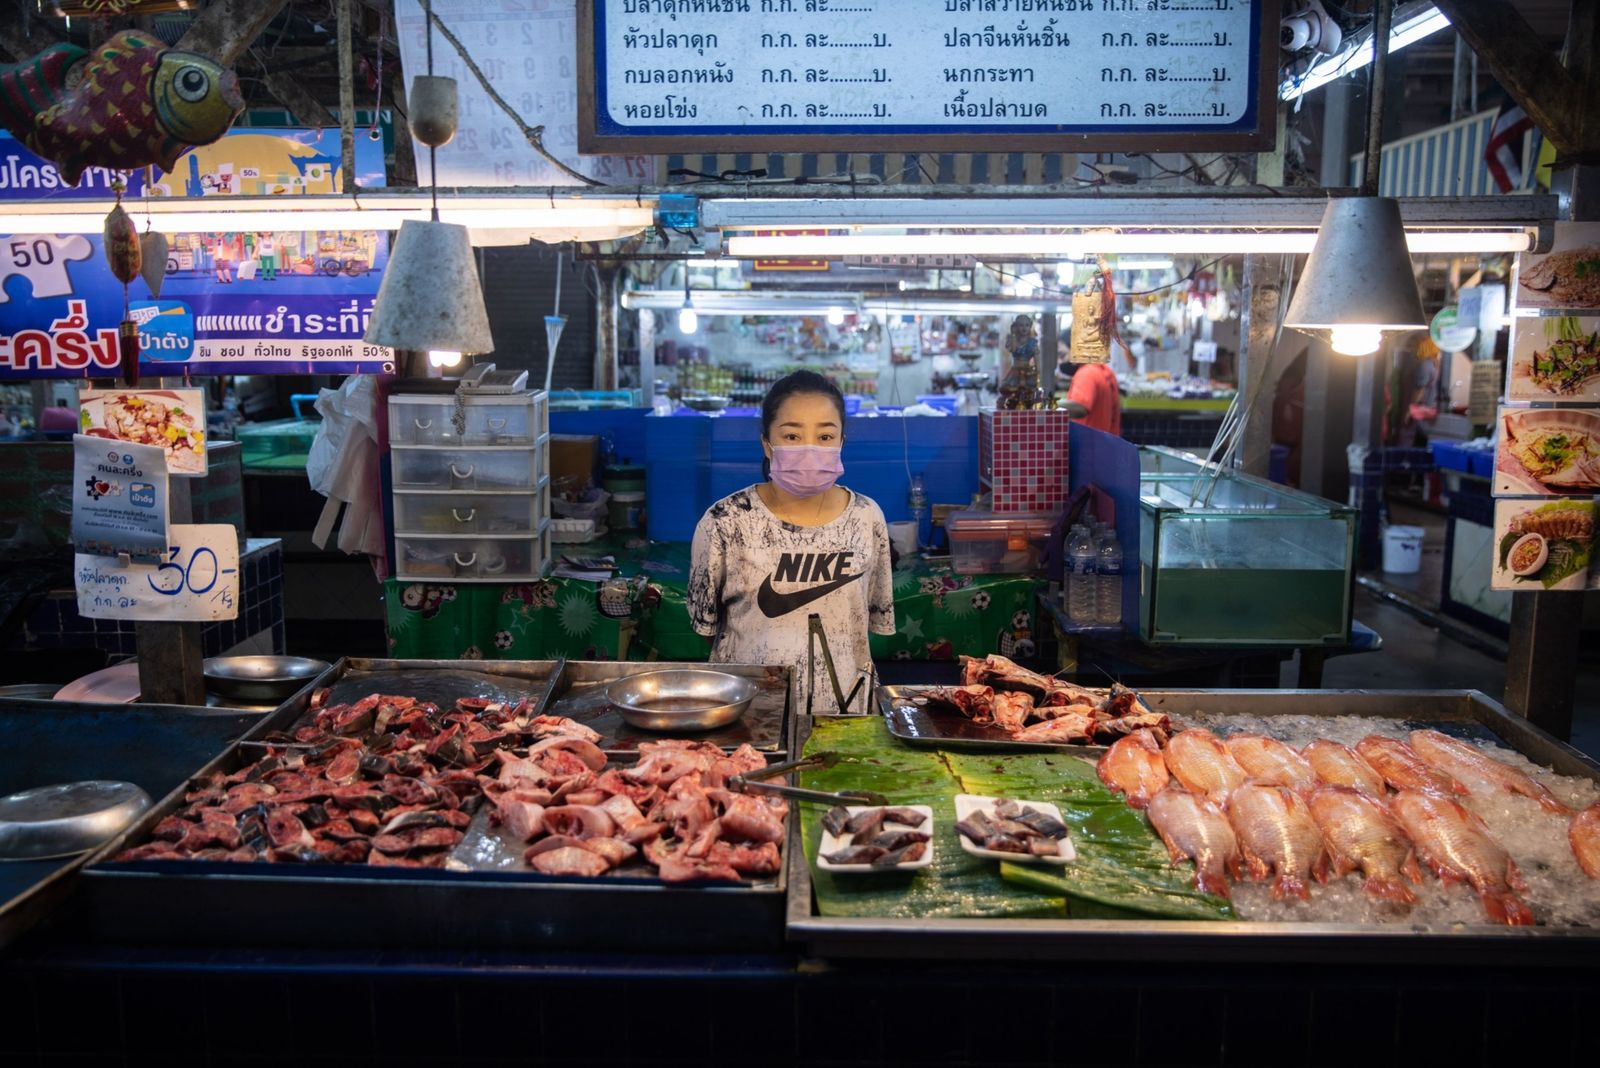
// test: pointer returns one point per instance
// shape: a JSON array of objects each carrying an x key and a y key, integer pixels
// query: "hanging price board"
[{"x": 197, "y": 582}]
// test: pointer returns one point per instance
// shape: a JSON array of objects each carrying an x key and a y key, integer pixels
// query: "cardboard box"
[{"x": 575, "y": 457}]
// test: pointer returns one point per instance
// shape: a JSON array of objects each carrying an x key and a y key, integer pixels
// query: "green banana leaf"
[{"x": 1122, "y": 868}]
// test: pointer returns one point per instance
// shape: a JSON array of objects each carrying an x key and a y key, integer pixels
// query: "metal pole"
[
  {"x": 347, "y": 100},
  {"x": 1258, "y": 330},
  {"x": 1382, "y": 16}
]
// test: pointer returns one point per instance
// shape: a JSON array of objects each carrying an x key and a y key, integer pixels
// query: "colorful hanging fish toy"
[{"x": 138, "y": 103}]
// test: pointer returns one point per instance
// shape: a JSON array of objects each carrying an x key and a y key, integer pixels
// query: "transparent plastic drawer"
[
  {"x": 458, "y": 559},
  {"x": 466, "y": 470},
  {"x": 515, "y": 420},
  {"x": 462, "y": 514}
]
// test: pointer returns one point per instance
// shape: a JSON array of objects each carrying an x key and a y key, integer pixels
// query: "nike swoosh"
[{"x": 774, "y": 604}]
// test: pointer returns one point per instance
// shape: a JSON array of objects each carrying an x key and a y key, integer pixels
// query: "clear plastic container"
[
  {"x": 437, "y": 513},
  {"x": 983, "y": 542},
  {"x": 466, "y": 470},
  {"x": 1082, "y": 594},
  {"x": 480, "y": 559},
  {"x": 512, "y": 419}
]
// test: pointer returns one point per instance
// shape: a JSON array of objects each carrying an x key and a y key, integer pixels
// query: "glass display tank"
[{"x": 1229, "y": 559}]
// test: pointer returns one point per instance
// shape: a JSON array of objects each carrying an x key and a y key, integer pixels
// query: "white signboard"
[
  {"x": 119, "y": 498},
  {"x": 895, "y": 71},
  {"x": 527, "y": 50},
  {"x": 196, "y": 582}
]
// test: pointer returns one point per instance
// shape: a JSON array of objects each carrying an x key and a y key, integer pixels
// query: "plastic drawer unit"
[{"x": 471, "y": 486}]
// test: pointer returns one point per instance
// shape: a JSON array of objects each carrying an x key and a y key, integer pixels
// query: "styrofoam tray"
[
  {"x": 967, "y": 804},
  {"x": 832, "y": 842}
]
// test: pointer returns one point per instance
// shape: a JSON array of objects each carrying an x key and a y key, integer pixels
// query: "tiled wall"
[
  {"x": 1022, "y": 458},
  {"x": 56, "y": 624}
]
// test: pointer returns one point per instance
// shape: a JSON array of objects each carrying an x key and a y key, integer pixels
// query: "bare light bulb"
[
  {"x": 836, "y": 316},
  {"x": 688, "y": 321},
  {"x": 1356, "y": 340},
  {"x": 443, "y": 358}
]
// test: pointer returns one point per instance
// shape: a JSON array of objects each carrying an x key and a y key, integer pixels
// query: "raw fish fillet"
[
  {"x": 1360, "y": 833},
  {"x": 1339, "y": 765},
  {"x": 1061, "y": 730},
  {"x": 1456, "y": 845},
  {"x": 1270, "y": 762},
  {"x": 1198, "y": 759},
  {"x": 569, "y": 860},
  {"x": 1278, "y": 837},
  {"x": 1479, "y": 772},
  {"x": 1011, "y": 711},
  {"x": 1402, "y": 768},
  {"x": 1134, "y": 767},
  {"x": 1194, "y": 828},
  {"x": 1584, "y": 835}
]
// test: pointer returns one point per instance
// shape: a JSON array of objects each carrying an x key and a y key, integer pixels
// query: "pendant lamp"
[
  {"x": 1358, "y": 280},
  {"x": 431, "y": 299}
]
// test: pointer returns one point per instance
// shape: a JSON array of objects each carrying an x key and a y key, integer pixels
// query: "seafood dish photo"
[
  {"x": 1569, "y": 278},
  {"x": 876, "y": 839},
  {"x": 1544, "y": 546},
  {"x": 391, "y": 781},
  {"x": 1413, "y": 825},
  {"x": 1555, "y": 359},
  {"x": 1027, "y": 707},
  {"x": 1552, "y": 451},
  {"x": 1006, "y": 829},
  {"x": 159, "y": 418}
]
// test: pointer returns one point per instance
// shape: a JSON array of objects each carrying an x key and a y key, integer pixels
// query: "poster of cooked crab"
[
  {"x": 1544, "y": 545},
  {"x": 1555, "y": 358},
  {"x": 1547, "y": 451},
  {"x": 1568, "y": 276},
  {"x": 171, "y": 419}
]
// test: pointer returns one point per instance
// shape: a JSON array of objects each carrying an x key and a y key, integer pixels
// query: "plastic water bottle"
[
  {"x": 1108, "y": 579},
  {"x": 1082, "y": 595}
]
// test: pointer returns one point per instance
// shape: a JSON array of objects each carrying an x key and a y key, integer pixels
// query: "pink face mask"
[{"x": 805, "y": 470}]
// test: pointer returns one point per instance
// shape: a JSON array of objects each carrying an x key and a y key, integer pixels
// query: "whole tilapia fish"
[
  {"x": 1402, "y": 768},
  {"x": 1478, "y": 771},
  {"x": 1193, "y": 828},
  {"x": 1458, "y": 848},
  {"x": 1270, "y": 762},
  {"x": 1584, "y": 835},
  {"x": 1134, "y": 767},
  {"x": 1198, "y": 759},
  {"x": 1339, "y": 765},
  {"x": 1278, "y": 837},
  {"x": 1359, "y": 832}
]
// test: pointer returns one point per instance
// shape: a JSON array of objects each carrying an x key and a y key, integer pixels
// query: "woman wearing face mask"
[{"x": 769, "y": 556}]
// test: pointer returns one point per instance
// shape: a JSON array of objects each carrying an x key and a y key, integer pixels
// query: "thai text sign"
[
  {"x": 196, "y": 581},
  {"x": 795, "y": 75}
]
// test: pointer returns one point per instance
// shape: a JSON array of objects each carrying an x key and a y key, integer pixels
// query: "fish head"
[{"x": 196, "y": 99}]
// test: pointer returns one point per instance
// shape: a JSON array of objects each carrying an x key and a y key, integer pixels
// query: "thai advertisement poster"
[
  {"x": 173, "y": 420},
  {"x": 232, "y": 303},
  {"x": 119, "y": 499}
]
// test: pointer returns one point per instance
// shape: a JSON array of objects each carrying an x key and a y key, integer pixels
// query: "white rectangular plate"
[
  {"x": 832, "y": 842},
  {"x": 967, "y": 804}
]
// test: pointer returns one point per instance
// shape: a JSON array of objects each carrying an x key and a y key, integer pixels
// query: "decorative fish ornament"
[{"x": 138, "y": 103}]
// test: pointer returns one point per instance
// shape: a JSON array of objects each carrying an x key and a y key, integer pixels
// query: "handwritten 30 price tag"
[{"x": 196, "y": 582}]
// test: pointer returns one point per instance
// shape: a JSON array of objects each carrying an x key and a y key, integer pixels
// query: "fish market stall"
[
  {"x": 405, "y": 795},
  {"x": 1273, "y": 880}
]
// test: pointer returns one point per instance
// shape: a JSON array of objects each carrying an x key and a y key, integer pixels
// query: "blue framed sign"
[{"x": 926, "y": 75}]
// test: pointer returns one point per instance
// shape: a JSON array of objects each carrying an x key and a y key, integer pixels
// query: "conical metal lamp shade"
[
  {"x": 1359, "y": 271},
  {"x": 430, "y": 298}
]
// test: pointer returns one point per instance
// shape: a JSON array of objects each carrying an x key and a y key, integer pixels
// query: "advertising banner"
[{"x": 119, "y": 500}]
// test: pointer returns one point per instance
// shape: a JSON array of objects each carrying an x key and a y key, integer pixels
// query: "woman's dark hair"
[{"x": 788, "y": 386}]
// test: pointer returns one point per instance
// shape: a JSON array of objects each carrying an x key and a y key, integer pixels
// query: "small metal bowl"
[
  {"x": 68, "y": 818},
  {"x": 681, "y": 699},
  {"x": 260, "y": 679}
]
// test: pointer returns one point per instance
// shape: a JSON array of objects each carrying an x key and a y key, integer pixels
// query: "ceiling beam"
[
  {"x": 225, "y": 30},
  {"x": 1554, "y": 99}
]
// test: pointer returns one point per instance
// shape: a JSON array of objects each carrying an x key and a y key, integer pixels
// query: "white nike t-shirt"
[{"x": 754, "y": 581}]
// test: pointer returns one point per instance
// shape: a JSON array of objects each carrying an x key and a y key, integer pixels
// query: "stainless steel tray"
[
  {"x": 198, "y": 902},
  {"x": 1188, "y": 941}
]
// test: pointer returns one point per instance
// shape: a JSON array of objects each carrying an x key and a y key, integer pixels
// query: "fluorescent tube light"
[
  {"x": 999, "y": 246},
  {"x": 1421, "y": 25}
]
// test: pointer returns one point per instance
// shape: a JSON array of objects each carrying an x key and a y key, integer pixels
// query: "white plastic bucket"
[
  {"x": 903, "y": 535},
  {"x": 1402, "y": 549}
]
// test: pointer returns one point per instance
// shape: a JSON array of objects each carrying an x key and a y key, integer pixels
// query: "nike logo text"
[{"x": 803, "y": 567}]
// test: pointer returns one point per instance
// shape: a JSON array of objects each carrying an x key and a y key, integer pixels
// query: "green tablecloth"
[{"x": 937, "y": 614}]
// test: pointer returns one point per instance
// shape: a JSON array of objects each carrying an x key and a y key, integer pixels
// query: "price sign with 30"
[{"x": 198, "y": 581}]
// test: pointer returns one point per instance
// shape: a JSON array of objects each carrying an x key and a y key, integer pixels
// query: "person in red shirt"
[{"x": 1094, "y": 399}]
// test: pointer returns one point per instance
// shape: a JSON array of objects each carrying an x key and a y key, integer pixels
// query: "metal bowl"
[
  {"x": 68, "y": 818},
  {"x": 261, "y": 678},
  {"x": 683, "y": 699}
]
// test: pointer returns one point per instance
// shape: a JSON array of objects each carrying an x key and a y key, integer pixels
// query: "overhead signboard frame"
[{"x": 968, "y": 76}]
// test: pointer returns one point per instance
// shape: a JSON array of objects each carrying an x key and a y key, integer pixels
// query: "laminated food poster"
[
  {"x": 1547, "y": 451},
  {"x": 1566, "y": 277},
  {"x": 1544, "y": 545},
  {"x": 1555, "y": 359},
  {"x": 119, "y": 499},
  {"x": 173, "y": 420}
]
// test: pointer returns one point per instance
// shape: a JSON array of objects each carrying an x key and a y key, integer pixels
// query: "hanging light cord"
[
  {"x": 1382, "y": 16},
  {"x": 433, "y": 151}
]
